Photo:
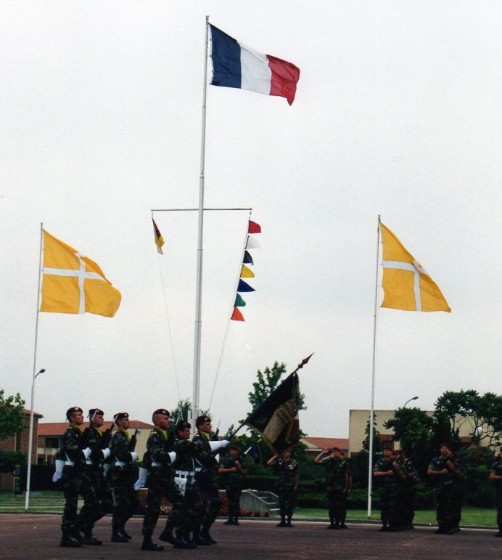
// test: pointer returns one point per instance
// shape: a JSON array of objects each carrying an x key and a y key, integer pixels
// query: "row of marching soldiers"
[{"x": 98, "y": 465}]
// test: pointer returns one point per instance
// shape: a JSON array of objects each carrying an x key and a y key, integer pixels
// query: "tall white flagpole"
[
  {"x": 372, "y": 408},
  {"x": 35, "y": 375},
  {"x": 200, "y": 236}
]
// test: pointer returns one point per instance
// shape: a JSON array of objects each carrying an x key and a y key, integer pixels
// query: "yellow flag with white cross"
[
  {"x": 405, "y": 283},
  {"x": 72, "y": 283}
]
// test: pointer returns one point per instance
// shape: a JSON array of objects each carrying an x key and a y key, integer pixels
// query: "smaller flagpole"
[
  {"x": 220, "y": 359},
  {"x": 34, "y": 376},
  {"x": 372, "y": 408}
]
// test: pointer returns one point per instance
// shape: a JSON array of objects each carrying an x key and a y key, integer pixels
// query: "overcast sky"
[{"x": 397, "y": 113}]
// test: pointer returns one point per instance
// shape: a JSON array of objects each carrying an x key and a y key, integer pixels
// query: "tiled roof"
[
  {"x": 323, "y": 442},
  {"x": 58, "y": 428}
]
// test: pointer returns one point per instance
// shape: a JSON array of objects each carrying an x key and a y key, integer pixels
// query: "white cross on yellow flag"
[
  {"x": 405, "y": 283},
  {"x": 75, "y": 284}
]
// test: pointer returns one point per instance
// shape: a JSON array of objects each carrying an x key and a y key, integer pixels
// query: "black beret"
[
  {"x": 94, "y": 412},
  {"x": 72, "y": 410},
  {"x": 202, "y": 420},
  {"x": 183, "y": 425},
  {"x": 162, "y": 411},
  {"x": 121, "y": 416}
]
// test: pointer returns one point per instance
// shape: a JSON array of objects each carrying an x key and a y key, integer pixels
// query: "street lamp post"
[
  {"x": 409, "y": 400},
  {"x": 30, "y": 442}
]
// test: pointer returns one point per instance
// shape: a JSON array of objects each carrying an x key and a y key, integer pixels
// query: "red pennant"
[
  {"x": 236, "y": 315},
  {"x": 254, "y": 227}
]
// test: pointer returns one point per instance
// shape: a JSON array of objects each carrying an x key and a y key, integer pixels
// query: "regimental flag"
[
  {"x": 406, "y": 285},
  {"x": 159, "y": 240},
  {"x": 238, "y": 66},
  {"x": 72, "y": 283},
  {"x": 276, "y": 419}
]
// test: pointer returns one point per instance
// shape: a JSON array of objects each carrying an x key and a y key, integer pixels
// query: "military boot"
[
  {"x": 206, "y": 536},
  {"x": 198, "y": 540},
  {"x": 68, "y": 541},
  {"x": 118, "y": 536}
]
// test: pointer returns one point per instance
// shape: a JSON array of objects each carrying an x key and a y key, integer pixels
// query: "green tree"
[
  {"x": 11, "y": 414},
  {"x": 11, "y": 423}
]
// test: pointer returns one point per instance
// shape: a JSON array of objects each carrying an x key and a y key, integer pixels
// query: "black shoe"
[
  {"x": 383, "y": 529},
  {"x": 199, "y": 541},
  {"x": 207, "y": 537},
  {"x": 281, "y": 524},
  {"x": 499, "y": 534},
  {"x": 229, "y": 522},
  {"x": 289, "y": 524},
  {"x": 118, "y": 536},
  {"x": 91, "y": 541},
  {"x": 343, "y": 526},
  {"x": 125, "y": 534},
  {"x": 70, "y": 542},
  {"x": 167, "y": 536},
  {"x": 440, "y": 531},
  {"x": 331, "y": 526},
  {"x": 149, "y": 545}
]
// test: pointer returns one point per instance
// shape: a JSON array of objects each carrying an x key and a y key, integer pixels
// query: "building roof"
[
  {"x": 324, "y": 442},
  {"x": 58, "y": 428},
  {"x": 27, "y": 412}
]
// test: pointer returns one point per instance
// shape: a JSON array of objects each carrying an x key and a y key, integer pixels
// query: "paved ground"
[{"x": 36, "y": 537}]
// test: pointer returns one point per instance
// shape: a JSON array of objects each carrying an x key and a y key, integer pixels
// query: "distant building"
[
  {"x": 50, "y": 434},
  {"x": 358, "y": 420},
  {"x": 20, "y": 442}
]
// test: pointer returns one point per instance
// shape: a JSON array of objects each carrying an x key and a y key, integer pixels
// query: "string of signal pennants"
[{"x": 246, "y": 272}]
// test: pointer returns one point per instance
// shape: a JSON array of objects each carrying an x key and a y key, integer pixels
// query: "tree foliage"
[{"x": 11, "y": 414}]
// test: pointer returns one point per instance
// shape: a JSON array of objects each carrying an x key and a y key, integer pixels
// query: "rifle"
[
  {"x": 106, "y": 437},
  {"x": 134, "y": 439}
]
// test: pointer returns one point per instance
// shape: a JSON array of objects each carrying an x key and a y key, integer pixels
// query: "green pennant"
[{"x": 239, "y": 302}]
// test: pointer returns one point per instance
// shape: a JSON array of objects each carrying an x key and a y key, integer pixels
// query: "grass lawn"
[
  {"x": 53, "y": 502},
  {"x": 470, "y": 516}
]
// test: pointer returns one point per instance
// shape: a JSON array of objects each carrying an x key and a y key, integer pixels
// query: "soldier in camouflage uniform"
[
  {"x": 187, "y": 511},
  {"x": 446, "y": 473},
  {"x": 206, "y": 474},
  {"x": 95, "y": 488},
  {"x": 122, "y": 476},
  {"x": 337, "y": 485},
  {"x": 161, "y": 476},
  {"x": 288, "y": 481},
  {"x": 74, "y": 458},
  {"x": 496, "y": 478},
  {"x": 385, "y": 473},
  {"x": 232, "y": 471},
  {"x": 407, "y": 477}
]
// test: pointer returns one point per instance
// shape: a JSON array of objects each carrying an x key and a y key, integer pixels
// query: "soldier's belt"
[{"x": 184, "y": 474}]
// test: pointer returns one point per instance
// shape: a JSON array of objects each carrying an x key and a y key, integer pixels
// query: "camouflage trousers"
[
  {"x": 187, "y": 511},
  {"x": 337, "y": 505},
  {"x": 125, "y": 499},
  {"x": 498, "y": 505},
  {"x": 287, "y": 501},
  {"x": 160, "y": 485},
  {"x": 97, "y": 497},
  {"x": 448, "y": 505},
  {"x": 71, "y": 489},
  {"x": 210, "y": 496},
  {"x": 388, "y": 506},
  {"x": 233, "y": 494}
]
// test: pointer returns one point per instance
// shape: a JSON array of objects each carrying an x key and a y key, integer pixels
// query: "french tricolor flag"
[{"x": 238, "y": 66}]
